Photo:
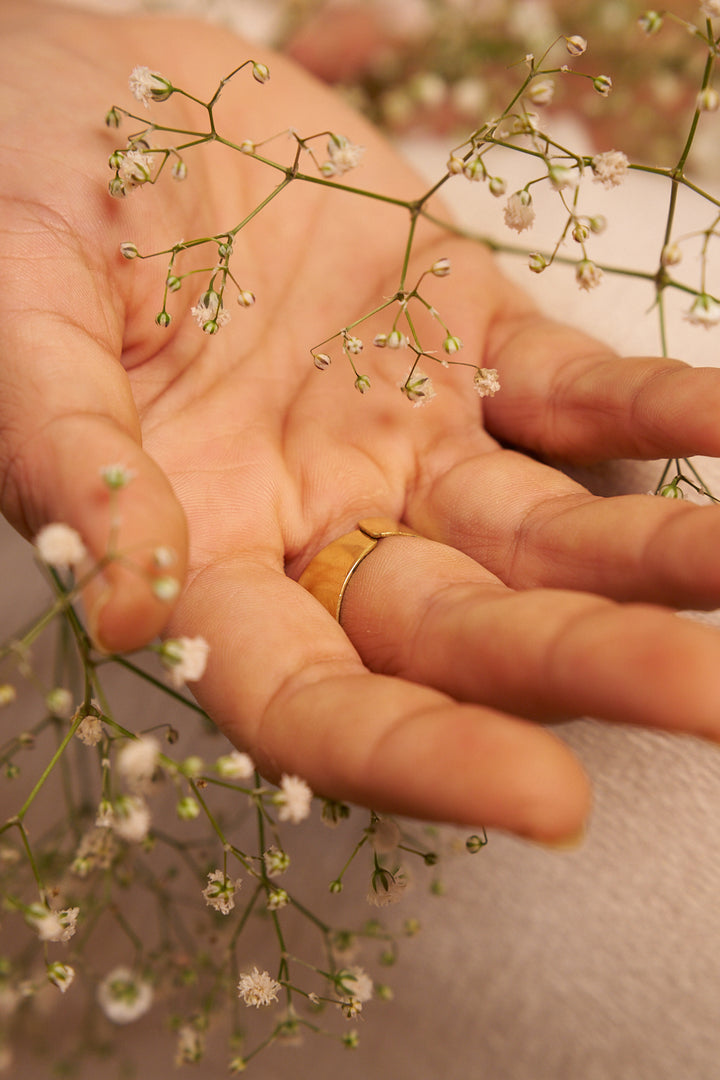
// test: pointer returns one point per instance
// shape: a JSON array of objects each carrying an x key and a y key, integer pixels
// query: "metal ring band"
[{"x": 328, "y": 574}]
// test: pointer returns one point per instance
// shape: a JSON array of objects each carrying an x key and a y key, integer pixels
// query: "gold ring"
[{"x": 328, "y": 574}]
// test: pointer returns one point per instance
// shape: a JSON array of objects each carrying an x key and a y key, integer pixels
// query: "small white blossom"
[
  {"x": 575, "y": 45},
  {"x": 52, "y": 925},
  {"x": 452, "y": 344},
  {"x": 708, "y": 100},
  {"x": 124, "y": 996},
  {"x": 60, "y": 702},
  {"x": 562, "y": 177},
  {"x": 258, "y": 988},
  {"x": 353, "y": 345},
  {"x": 519, "y": 211},
  {"x": 137, "y": 762},
  {"x": 362, "y": 384},
  {"x": 321, "y": 361},
  {"x": 60, "y": 975},
  {"x": 235, "y": 766},
  {"x": 671, "y": 254},
  {"x": 276, "y": 861},
  {"x": 704, "y": 312},
  {"x": 97, "y": 850},
  {"x": 245, "y": 298},
  {"x": 166, "y": 588},
  {"x": 261, "y": 72},
  {"x": 220, "y": 891},
  {"x": 588, "y": 275},
  {"x": 343, "y": 156},
  {"x": 209, "y": 313},
  {"x": 537, "y": 262},
  {"x": 130, "y": 819},
  {"x": 277, "y": 899},
  {"x": 418, "y": 389},
  {"x": 147, "y": 85},
  {"x": 603, "y": 85},
  {"x": 294, "y": 799},
  {"x": 356, "y": 984},
  {"x": 396, "y": 340},
  {"x": 60, "y": 546},
  {"x": 190, "y": 1045},
  {"x": 486, "y": 382},
  {"x": 441, "y": 267},
  {"x": 185, "y": 658},
  {"x": 541, "y": 91},
  {"x": 386, "y": 888},
  {"x": 497, "y": 186},
  {"x": 135, "y": 168},
  {"x": 116, "y": 476},
  {"x": 90, "y": 730},
  {"x": 610, "y": 168}
]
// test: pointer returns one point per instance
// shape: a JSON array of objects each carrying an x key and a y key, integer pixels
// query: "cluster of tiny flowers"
[
  {"x": 293, "y": 800},
  {"x": 147, "y": 85},
  {"x": 276, "y": 861},
  {"x": 486, "y": 382},
  {"x": 52, "y": 925},
  {"x": 519, "y": 211},
  {"x": 129, "y": 818},
  {"x": 209, "y": 313},
  {"x": 124, "y": 996},
  {"x": 343, "y": 156},
  {"x": 258, "y": 988},
  {"x": 60, "y": 546},
  {"x": 220, "y": 891},
  {"x": 185, "y": 658},
  {"x": 137, "y": 762},
  {"x": 610, "y": 168}
]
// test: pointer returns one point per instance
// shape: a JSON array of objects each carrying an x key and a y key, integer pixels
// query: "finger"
[
  {"x": 284, "y": 684},
  {"x": 566, "y": 396},
  {"x": 423, "y": 611},
  {"x": 532, "y": 527},
  {"x": 66, "y": 413}
]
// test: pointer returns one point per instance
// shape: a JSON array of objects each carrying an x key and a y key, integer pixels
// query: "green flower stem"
[{"x": 48, "y": 770}]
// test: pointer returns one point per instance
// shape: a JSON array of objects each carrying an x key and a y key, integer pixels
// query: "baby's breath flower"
[
  {"x": 209, "y": 313},
  {"x": 185, "y": 658},
  {"x": 343, "y": 156},
  {"x": 130, "y": 819},
  {"x": 60, "y": 546},
  {"x": 137, "y": 762},
  {"x": 351, "y": 1039},
  {"x": 562, "y": 177},
  {"x": 580, "y": 232},
  {"x": 474, "y": 169},
  {"x": 452, "y": 344},
  {"x": 128, "y": 250},
  {"x": 124, "y": 996},
  {"x": 708, "y": 100},
  {"x": 455, "y": 164},
  {"x": 220, "y": 891},
  {"x": 575, "y": 45},
  {"x": 603, "y": 85},
  {"x": 610, "y": 168},
  {"x": 90, "y": 730},
  {"x": 497, "y": 186},
  {"x": 166, "y": 588},
  {"x": 598, "y": 224},
  {"x": 60, "y": 702},
  {"x": 135, "y": 169},
  {"x": 245, "y": 298},
  {"x": 276, "y": 861},
  {"x": 247, "y": 147},
  {"x": 418, "y": 389},
  {"x": 704, "y": 311},
  {"x": 97, "y": 850},
  {"x": 294, "y": 799},
  {"x": 380, "y": 341},
  {"x": 164, "y": 557},
  {"x": 277, "y": 899},
  {"x": 588, "y": 275},
  {"x": 671, "y": 254},
  {"x": 52, "y": 925},
  {"x": 486, "y": 382},
  {"x": 541, "y": 91},
  {"x": 356, "y": 984},
  {"x": 60, "y": 975},
  {"x": 261, "y": 72},
  {"x": 8, "y": 693},
  {"x": 258, "y": 988},
  {"x": 441, "y": 267},
  {"x": 519, "y": 211},
  {"x": 321, "y": 361},
  {"x": 187, "y": 808},
  {"x": 710, "y": 8},
  {"x": 537, "y": 262},
  {"x": 362, "y": 383},
  {"x": 396, "y": 340},
  {"x": 386, "y": 887},
  {"x": 353, "y": 345},
  {"x": 147, "y": 85},
  {"x": 235, "y": 766},
  {"x": 116, "y": 476},
  {"x": 650, "y": 22},
  {"x": 179, "y": 170},
  {"x": 190, "y": 1045}
]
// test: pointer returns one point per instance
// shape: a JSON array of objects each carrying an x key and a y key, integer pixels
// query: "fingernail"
[{"x": 566, "y": 843}]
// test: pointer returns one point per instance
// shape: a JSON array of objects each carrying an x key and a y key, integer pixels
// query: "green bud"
[{"x": 162, "y": 318}]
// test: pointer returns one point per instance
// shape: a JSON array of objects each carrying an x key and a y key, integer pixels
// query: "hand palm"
[{"x": 270, "y": 460}]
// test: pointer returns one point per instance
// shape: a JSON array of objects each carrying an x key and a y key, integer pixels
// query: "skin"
[{"x": 530, "y": 599}]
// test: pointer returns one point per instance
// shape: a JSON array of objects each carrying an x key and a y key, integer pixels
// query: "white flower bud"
[
  {"x": 497, "y": 186},
  {"x": 671, "y": 255},
  {"x": 650, "y": 22},
  {"x": 575, "y": 45},
  {"x": 246, "y": 298},
  {"x": 708, "y": 99},
  {"x": 362, "y": 383},
  {"x": 537, "y": 262},
  {"x": 602, "y": 85},
  {"x": 440, "y": 268},
  {"x": 128, "y": 250},
  {"x": 261, "y": 72},
  {"x": 321, "y": 361}
]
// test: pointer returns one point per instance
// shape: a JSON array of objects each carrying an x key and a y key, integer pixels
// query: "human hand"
[{"x": 425, "y": 700}]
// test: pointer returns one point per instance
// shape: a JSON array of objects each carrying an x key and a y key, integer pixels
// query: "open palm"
[{"x": 248, "y": 460}]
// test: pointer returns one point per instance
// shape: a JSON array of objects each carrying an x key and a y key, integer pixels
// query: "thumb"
[{"x": 66, "y": 414}]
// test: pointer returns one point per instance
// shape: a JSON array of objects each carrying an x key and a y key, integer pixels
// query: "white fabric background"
[{"x": 594, "y": 965}]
